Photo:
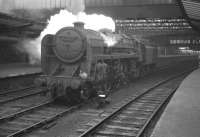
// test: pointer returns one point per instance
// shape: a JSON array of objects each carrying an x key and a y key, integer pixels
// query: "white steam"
[
  {"x": 6, "y": 5},
  {"x": 76, "y": 6},
  {"x": 109, "y": 38},
  {"x": 31, "y": 48},
  {"x": 64, "y": 19}
]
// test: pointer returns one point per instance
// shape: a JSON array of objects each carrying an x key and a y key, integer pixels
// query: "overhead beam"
[{"x": 138, "y": 11}]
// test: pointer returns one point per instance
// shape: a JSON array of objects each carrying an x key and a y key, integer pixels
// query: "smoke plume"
[
  {"x": 66, "y": 18},
  {"x": 77, "y": 6},
  {"x": 6, "y": 5}
]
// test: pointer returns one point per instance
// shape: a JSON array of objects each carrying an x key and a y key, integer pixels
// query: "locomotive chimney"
[{"x": 79, "y": 25}]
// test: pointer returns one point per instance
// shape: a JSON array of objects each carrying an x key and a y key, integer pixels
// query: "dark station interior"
[{"x": 153, "y": 41}]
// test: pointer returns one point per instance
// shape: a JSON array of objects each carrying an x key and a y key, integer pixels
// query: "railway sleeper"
[
  {"x": 120, "y": 127},
  {"x": 127, "y": 122},
  {"x": 115, "y": 133}
]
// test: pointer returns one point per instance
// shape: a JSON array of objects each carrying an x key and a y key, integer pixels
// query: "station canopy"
[
  {"x": 144, "y": 15},
  {"x": 191, "y": 11},
  {"x": 162, "y": 21},
  {"x": 124, "y": 9},
  {"x": 155, "y": 26},
  {"x": 14, "y": 26}
]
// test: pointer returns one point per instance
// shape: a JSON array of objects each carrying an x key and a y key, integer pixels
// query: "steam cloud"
[
  {"x": 30, "y": 47},
  {"x": 66, "y": 18},
  {"x": 33, "y": 46},
  {"x": 77, "y": 6},
  {"x": 6, "y": 5}
]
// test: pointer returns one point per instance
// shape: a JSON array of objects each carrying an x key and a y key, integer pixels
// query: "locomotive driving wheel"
[
  {"x": 87, "y": 91},
  {"x": 73, "y": 96}
]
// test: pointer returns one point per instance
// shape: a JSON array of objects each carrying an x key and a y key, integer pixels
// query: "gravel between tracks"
[{"x": 67, "y": 126}]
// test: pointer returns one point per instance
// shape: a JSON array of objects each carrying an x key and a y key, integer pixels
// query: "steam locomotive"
[{"x": 77, "y": 61}]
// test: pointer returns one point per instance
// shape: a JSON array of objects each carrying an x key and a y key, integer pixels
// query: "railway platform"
[
  {"x": 181, "y": 117},
  {"x": 18, "y": 69}
]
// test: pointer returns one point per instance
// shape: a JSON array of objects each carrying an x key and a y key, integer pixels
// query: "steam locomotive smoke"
[
  {"x": 109, "y": 38},
  {"x": 32, "y": 48},
  {"x": 66, "y": 19}
]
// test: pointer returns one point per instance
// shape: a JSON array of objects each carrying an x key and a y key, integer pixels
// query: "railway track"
[
  {"x": 18, "y": 101},
  {"x": 14, "y": 95},
  {"x": 133, "y": 116},
  {"x": 22, "y": 111},
  {"x": 26, "y": 120},
  {"x": 4, "y": 92},
  {"x": 18, "y": 124}
]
